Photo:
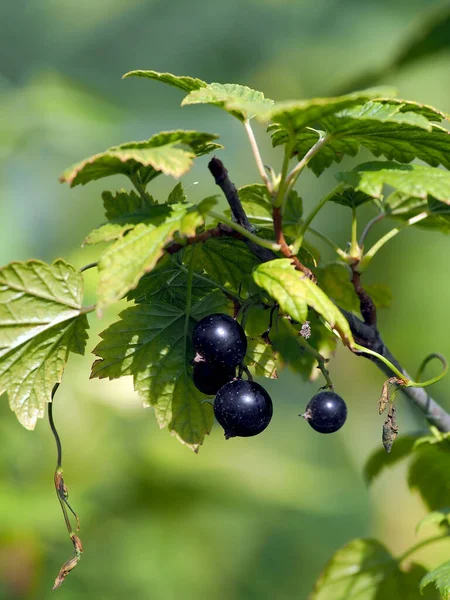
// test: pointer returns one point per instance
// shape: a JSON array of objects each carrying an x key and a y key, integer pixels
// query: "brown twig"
[
  {"x": 285, "y": 250},
  {"x": 366, "y": 304},
  {"x": 220, "y": 231}
]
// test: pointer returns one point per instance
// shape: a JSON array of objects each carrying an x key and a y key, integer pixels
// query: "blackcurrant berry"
[
  {"x": 210, "y": 378},
  {"x": 243, "y": 408},
  {"x": 326, "y": 412},
  {"x": 219, "y": 339}
]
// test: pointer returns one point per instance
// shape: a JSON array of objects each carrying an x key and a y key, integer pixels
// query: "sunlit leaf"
[
  {"x": 167, "y": 152},
  {"x": 365, "y": 570},
  {"x": 437, "y": 517},
  {"x": 294, "y": 293},
  {"x": 441, "y": 579},
  {"x": 261, "y": 358},
  {"x": 41, "y": 322},
  {"x": 187, "y": 84},
  {"x": 123, "y": 264},
  {"x": 239, "y": 100},
  {"x": 415, "y": 180}
]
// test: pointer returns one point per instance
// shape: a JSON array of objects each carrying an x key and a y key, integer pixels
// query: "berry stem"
[
  {"x": 293, "y": 175},
  {"x": 320, "y": 360}
]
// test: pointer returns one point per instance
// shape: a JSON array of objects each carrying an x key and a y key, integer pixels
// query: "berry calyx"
[
  {"x": 220, "y": 340},
  {"x": 243, "y": 408},
  {"x": 209, "y": 378},
  {"x": 326, "y": 412}
]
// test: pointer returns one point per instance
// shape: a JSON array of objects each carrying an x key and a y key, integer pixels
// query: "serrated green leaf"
[
  {"x": 124, "y": 210},
  {"x": 261, "y": 359},
  {"x": 149, "y": 343},
  {"x": 437, "y": 517},
  {"x": 380, "y": 460},
  {"x": 148, "y": 159},
  {"x": 123, "y": 264},
  {"x": 351, "y": 198},
  {"x": 239, "y": 100},
  {"x": 415, "y": 180},
  {"x": 187, "y": 84},
  {"x": 441, "y": 579},
  {"x": 167, "y": 284},
  {"x": 225, "y": 260},
  {"x": 364, "y": 569},
  {"x": 298, "y": 114},
  {"x": 294, "y": 293},
  {"x": 403, "y": 207},
  {"x": 41, "y": 322},
  {"x": 428, "y": 473},
  {"x": 334, "y": 280},
  {"x": 177, "y": 195},
  {"x": 383, "y": 128}
]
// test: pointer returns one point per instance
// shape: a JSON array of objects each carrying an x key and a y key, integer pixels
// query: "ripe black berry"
[
  {"x": 210, "y": 378},
  {"x": 219, "y": 339},
  {"x": 243, "y": 408},
  {"x": 326, "y": 412}
]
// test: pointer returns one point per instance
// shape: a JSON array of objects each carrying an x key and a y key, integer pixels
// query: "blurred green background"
[{"x": 244, "y": 519}]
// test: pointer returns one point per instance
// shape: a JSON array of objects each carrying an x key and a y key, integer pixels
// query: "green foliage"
[
  {"x": 364, "y": 568},
  {"x": 381, "y": 460},
  {"x": 162, "y": 153},
  {"x": 187, "y": 84},
  {"x": 414, "y": 180},
  {"x": 295, "y": 293},
  {"x": 441, "y": 579},
  {"x": 41, "y": 322},
  {"x": 151, "y": 343},
  {"x": 437, "y": 517},
  {"x": 428, "y": 473}
]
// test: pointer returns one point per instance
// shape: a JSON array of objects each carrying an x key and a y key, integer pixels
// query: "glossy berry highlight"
[
  {"x": 326, "y": 412},
  {"x": 243, "y": 408},
  {"x": 209, "y": 378},
  {"x": 220, "y": 340}
]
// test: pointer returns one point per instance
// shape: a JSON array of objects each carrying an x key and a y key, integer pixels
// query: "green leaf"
[
  {"x": 123, "y": 264},
  {"x": 261, "y": 359},
  {"x": 177, "y": 195},
  {"x": 403, "y": 207},
  {"x": 41, "y": 321},
  {"x": 160, "y": 154},
  {"x": 239, "y": 100},
  {"x": 334, "y": 280},
  {"x": 187, "y": 84},
  {"x": 167, "y": 284},
  {"x": 381, "y": 460},
  {"x": 386, "y": 129},
  {"x": 437, "y": 517},
  {"x": 428, "y": 473},
  {"x": 380, "y": 293},
  {"x": 225, "y": 260},
  {"x": 124, "y": 210},
  {"x": 149, "y": 343},
  {"x": 298, "y": 114},
  {"x": 294, "y": 293},
  {"x": 441, "y": 579},
  {"x": 415, "y": 180},
  {"x": 365, "y": 570},
  {"x": 351, "y": 198}
]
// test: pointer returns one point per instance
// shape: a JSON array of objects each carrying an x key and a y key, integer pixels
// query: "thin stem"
[
  {"x": 283, "y": 184},
  {"x": 257, "y": 155},
  {"x": 250, "y": 236},
  {"x": 138, "y": 185},
  {"x": 88, "y": 309},
  {"x": 354, "y": 248},
  {"x": 329, "y": 242},
  {"x": 293, "y": 175},
  {"x": 306, "y": 223},
  {"x": 384, "y": 360},
  {"x": 53, "y": 428},
  {"x": 367, "y": 258},
  {"x": 369, "y": 226},
  {"x": 428, "y": 382},
  {"x": 436, "y": 538},
  {"x": 88, "y": 266},
  {"x": 320, "y": 359}
]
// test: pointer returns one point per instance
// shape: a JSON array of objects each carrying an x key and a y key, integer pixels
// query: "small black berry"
[
  {"x": 243, "y": 408},
  {"x": 326, "y": 412},
  {"x": 219, "y": 339},
  {"x": 209, "y": 378}
]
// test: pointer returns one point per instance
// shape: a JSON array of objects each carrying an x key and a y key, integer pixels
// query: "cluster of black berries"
[{"x": 244, "y": 408}]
